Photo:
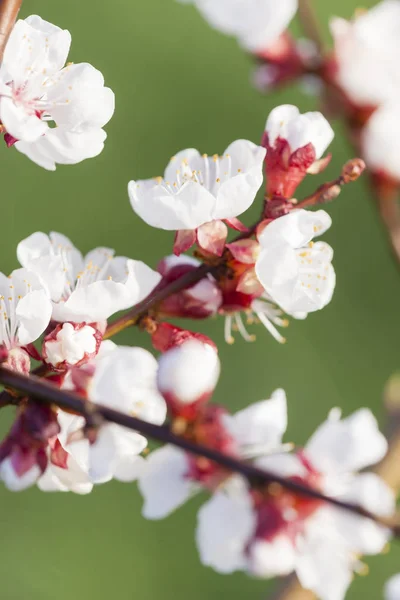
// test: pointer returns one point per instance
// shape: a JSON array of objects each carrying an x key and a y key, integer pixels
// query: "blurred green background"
[{"x": 179, "y": 84}]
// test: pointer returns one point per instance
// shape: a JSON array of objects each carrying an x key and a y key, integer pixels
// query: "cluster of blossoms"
[
  {"x": 360, "y": 76},
  {"x": 55, "y": 309}
]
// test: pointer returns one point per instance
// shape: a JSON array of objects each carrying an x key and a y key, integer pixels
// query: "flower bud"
[
  {"x": 169, "y": 336},
  {"x": 187, "y": 376},
  {"x": 71, "y": 344},
  {"x": 199, "y": 301}
]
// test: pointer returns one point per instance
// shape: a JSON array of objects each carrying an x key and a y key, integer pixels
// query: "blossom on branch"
[
  {"x": 198, "y": 193},
  {"x": 366, "y": 55},
  {"x": 37, "y": 90},
  {"x": 257, "y": 24},
  {"x": 25, "y": 312},
  {"x": 172, "y": 476},
  {"x": 296, "y": 272},
  {"x": 124, "y": 379},
  {"x": 276, "y": 532},
  {"x": 380, "y": 142},
  {"x": 87, "y": 288},
  {"x": 295, "y": 144}
]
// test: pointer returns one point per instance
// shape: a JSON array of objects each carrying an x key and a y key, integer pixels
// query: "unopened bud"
[
  {"x": 353, "y": 169},
  {"x": 187, "y": 376},
  {"x": 330, "y": 194}
]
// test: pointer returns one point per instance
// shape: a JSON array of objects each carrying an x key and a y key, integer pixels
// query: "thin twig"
[
  {"x": 44, "y": 391},
  {"x": 9, "y": 10}
]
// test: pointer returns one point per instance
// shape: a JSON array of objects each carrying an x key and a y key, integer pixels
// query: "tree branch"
[
  {"x": 157, "y": 296},
  {"x": 44, "y": 391},
  {"x": 9, "y": 10}
]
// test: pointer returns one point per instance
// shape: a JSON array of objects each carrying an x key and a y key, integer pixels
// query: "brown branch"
[
  {"x": 9, "y": 10},
  {"x": 310, "y": 25},
  {"x": 44, "y": 391},
  {"x": 133, "y": 315}
]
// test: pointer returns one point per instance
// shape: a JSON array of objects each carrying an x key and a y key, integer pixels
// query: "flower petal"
[{"x": 164, "y": 484}]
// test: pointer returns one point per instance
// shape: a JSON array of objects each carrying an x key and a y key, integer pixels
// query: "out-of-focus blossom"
[
  {"x": 171, "y": 476},
  {"x": 366, "y": 54},
  {"x": 392, "y": 588},
  {"x": 257, "y": 24},
  {"x": 276, "y": 532},
  {"x": 380, "y": 140}
]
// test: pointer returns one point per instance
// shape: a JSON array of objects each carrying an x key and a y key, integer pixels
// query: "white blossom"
[
  {"x": 295, "y": 272},
  {"x": 165, "y": 483},
  {"x": 367, "y": 50},
  {"x": 85, "y": 288},
  {"x": 257, "y": 24},
  {"x": 37, "y": 90},
  {"x": 380, "y": 141},
  {"x": 319, "y": 541},
  {"x": 124, "y": 379},
  {"x": 198, "y": 189},
  {"x": 287, "y": 123}
]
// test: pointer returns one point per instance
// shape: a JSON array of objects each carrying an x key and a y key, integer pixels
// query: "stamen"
[{"x": 229, "y": 339}]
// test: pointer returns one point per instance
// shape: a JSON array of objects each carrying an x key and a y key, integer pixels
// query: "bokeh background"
[{"x": 180, "y": 84}]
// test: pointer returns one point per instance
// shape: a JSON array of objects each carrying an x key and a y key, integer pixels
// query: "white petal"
[
  {"x": 225, "y": 525},
  {"x": 20, "y": 123},
  {"x": 259, "y": 428},
  {"x": 101, "y": 299},
  {"x": 392, "y": 588},
  {"x": 164, "y": 484},
  {"x": 297, "y": 228},
  {"x": 324, "y": 568},
  {"x": 14, "y": 482},
  {"x": 189, "y": 208},
  {"x": 299, "y": 130},
  {"x": 82, "y": 101},
  {"x": 237, "y": 193},
  {"x": 380, "y": 140},
  {"x": 351, "y": 444},
  {"x": 129, "y": 468},
  {"x": 114, "y": 445},
  {"x": 363, "y": 535},
  {"x": 125, "y": 379},
  {"x": 33, "y": 46},
  {"x": 272, "y": 558},
  {"x": 34, "y": 313},
  {"x": 256, "y": 24}
]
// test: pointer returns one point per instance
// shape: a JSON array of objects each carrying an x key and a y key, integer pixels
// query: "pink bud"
[{"x": 169, "y": 336}]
